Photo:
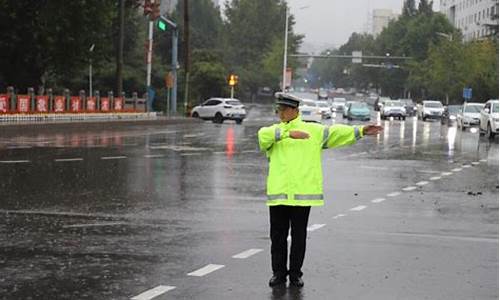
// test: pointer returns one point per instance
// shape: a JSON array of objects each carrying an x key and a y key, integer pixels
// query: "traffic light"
[
  {"x": 147, "y": 7},
  {"x": 233, "y": 80}
]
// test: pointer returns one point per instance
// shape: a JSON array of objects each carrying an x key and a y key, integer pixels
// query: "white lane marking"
[
  {"x": 68, "y": 159},
  {"x": 422, "y": 183},
  {"x": 247, "y": 253},
  {"x": 154, "y": 292},
  {"x": 289, "y": 238},
  {"x": 112, "y": 157},
  {"x": 315, "y": 227},
  {"x": 475, "y": 163},
  {"x": 427, "y": 171},
  {"x": 394, "y": 194},
  {"x": 378, "y": 200},
  {"x": 409, "y": 188},
  {"x": 94, "y": 225},
  {"x": 358, "y": 208},
  {"x": 190, "y": 154},
  {"x": 190, "y": 135},
  {"x": 466, "y": 166},
  {"x": 250, "y": 151},
  {"x": 446, "y": 174},
  {"x": 435, "y": 178},
  {"x": 14, "y": 161},
  {"x": 483, "y": 160},
  {"x": 457, "y": 169},
  {"x": 153, "y": 155},
  {"x": 206, "y": 270},
  {"x": 338, "y": 216}
]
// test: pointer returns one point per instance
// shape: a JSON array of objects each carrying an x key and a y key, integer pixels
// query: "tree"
[
  {"x": 425, "y": 7},
  {"x": 409, "y": 9}
]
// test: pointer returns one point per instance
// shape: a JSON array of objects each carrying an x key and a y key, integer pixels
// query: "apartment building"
[{"x": 381, "y": 18}]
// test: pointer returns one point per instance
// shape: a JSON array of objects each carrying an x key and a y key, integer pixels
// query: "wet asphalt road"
[{"x": 148, "y": 210}]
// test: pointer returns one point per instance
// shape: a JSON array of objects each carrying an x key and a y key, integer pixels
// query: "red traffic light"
[{"x": 147, "y": 7}]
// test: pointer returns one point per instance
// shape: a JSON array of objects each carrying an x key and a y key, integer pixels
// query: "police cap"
[{"x": 287, "y": 99}]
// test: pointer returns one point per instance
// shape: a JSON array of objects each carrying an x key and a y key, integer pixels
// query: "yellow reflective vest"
[{"x": 295, "y": 177}]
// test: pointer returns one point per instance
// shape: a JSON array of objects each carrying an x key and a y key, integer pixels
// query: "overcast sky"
[{"x": 327, "y": 23}]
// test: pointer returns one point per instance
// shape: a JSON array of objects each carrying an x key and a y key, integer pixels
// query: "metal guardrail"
[{"x": 64, "y": 117}]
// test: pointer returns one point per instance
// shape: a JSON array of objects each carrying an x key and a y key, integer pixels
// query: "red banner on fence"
[
  {"x": 4, "y": 103},
  {"x": 75, "y": 104},
  {"x": 104, "y": 104},
  {"x": 118, "y": 104},
  {"x": 91, "y": 104},
  {"x": 23, "y": 103},
  {"x": 59, "y": 104},
  {"x": 42, "y": 103}
]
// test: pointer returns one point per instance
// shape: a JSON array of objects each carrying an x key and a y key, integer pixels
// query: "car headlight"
[{"x": 453, "y": 118}]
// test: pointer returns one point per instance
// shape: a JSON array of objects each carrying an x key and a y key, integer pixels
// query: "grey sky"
[{"x": 328, "y": 23}]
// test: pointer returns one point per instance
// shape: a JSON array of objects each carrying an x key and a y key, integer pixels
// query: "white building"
[
  {"x": 471, "y": 16},
  {"x": 381, "y": 18}
]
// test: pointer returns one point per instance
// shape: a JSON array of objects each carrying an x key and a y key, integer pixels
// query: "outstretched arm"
[{"x": 344, "y": 135}]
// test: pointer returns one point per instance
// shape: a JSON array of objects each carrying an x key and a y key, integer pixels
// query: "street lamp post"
[
  {"x": 450, "y": 39},
  {"x": 285, "y": 51},
  {"x": 91, "y": 49}
]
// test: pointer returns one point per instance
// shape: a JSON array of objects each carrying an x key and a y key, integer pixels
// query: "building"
[
  {"x": 476, "y": 19},
  {"x": 167, "y": 6},
  {"x": 381, "y": 18}
]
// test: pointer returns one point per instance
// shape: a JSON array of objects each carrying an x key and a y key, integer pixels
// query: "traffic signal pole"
[
  {"x": 175, "y": 35},
  {"x": 148, "y": 63}
]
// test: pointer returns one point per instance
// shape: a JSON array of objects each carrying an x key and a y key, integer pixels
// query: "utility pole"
[
  {"x": 119, "y": 58},
  {"x": 285, "y": 51},
  {"x": 186, "y": 54}
]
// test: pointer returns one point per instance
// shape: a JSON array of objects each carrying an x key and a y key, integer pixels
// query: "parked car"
[
  {"x": 488, "y": 123},
  {"x": 411, "y": 108},
  {"x": 469, "y": 115},
  {"x": 379, "y": 104},
  {"x": 220, "y": 109},
  {"x": 430, "y": 109},
  {"x": 310, "y": 111},
  {"x": 346, "y": 109},
  {"x": 393, "y": 108},
  {"x": 358, "y": 111},
  {"x": 325, "y": 108},
  {"x": 449, "y": 115},
  {"x": 338, "y": 104}
]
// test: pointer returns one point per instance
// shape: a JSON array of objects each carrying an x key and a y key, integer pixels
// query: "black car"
[
  {"x": 449, "y": 115},
  {"x": 411, "y": 108}
]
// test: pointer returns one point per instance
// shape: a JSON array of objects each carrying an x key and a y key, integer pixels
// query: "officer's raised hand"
[
  {"x": 372, "y": 129},
  {"x": 297, "y": 134}
]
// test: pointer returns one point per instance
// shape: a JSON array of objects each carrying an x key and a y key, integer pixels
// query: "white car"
[
  {"x": 325, "y": 108},
  {"x": 488, "y": 122},
  {"x": 469, "y": 115},
  {"x": 338, "y": 104},
  {"x": 430, "y": 109},
  {"x": 310, "y": 111},
  {"x": 393, "y": 108},
  {"x": 220, "y": 109}
]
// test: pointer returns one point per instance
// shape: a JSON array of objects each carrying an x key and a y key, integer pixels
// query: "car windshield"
[
  {"x": 393, "y": 103},
  {"x": 359, "y": 105},
  {"x": 473, "y": 108},
  {"x": 453, "y": 109},
  {"x": 322, "y": 104},
  {"x": 495, "y": 107},
  {"x": 233, "y": 102},
  {"x": 339, "y": 100},
  {"x": 433, "y": 105}
]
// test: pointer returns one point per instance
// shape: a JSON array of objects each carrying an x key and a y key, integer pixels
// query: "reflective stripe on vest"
[
  {"x": 296, "y": 197},
  {"x": 277, "y": 197},
  {"x": 277, "y": 134},
  {"x": 326, "y": 133},
  {"x": 357, "y": 133}
]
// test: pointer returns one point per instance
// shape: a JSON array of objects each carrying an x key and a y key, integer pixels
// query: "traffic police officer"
[{"x": 295, "y": 181}]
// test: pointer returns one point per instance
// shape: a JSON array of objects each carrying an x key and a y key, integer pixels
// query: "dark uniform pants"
[{"x": 281, "y": 218}]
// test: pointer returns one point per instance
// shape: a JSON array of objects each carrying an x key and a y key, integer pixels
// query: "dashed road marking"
[
  {"x": 14, "y": 161},
  {"x": 422, "y": 183},
  {"x": 315, "y": 227},
  {"x": 446, "y": 174},
  {"x": 409, "y": 188},
  {"x": 68, "y": 159},
  {"x": 247, "y": 253},
  {"x": 153, "y": 155},
  {"x": 475, "y": 163},
  {"x": 358, "y": 208},
  {"x": 457, "y": 169},
  {"x": 113, "y": 157},
  {"x": 94, "y": 225},
  {"x": 466, "y": 166},
  {"x": 378, "y": 200},
  {"x": 206, "y": 270},
  {"x": 427, "y": 171},
  {"x": 339, "y": 216},
  {"x": 393, "y": 194},
  {"x": 190, "y": 154},
  {"x": 483, "y": 160},
  {"x": 154, "y": 292},
  {"x": 435, "y": 178}
]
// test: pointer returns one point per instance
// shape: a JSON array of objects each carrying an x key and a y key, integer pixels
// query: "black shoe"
[
  {"x": 296, "y": 281},
  {"x": 277, "y": 280}
]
